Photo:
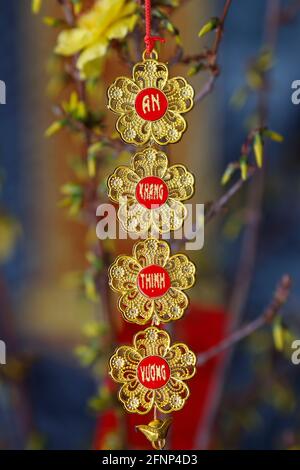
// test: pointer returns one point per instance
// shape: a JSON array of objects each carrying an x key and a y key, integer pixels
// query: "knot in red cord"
[{"x": 150, "y": 42}]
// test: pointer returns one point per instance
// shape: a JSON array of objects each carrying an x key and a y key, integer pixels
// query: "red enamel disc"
[
  {"x": 151, "y": 104},
  {"x": 153, "y": 372},
  {"x": 154, "y": 281},
  {"x": 151, "y": 192}
]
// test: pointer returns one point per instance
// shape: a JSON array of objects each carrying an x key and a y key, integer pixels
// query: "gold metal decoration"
[
  {"x": 153, "y": 373},
  {"x": 156, "y": 432},
  {"x": 150, "y": 192},
  {"x": 150, "y": 105},
  {"x": 151, "y": 283}
]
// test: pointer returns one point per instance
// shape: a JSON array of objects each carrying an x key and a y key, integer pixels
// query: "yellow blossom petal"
[
  {"x": 92, "y": 69},
  {"x": 72, "y": 41},
  {"x": 102, "y": 15},
  {"x": 120, "y": 29},
  {"x": 91, "y": 53}
]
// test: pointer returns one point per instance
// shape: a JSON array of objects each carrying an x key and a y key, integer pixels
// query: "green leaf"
[
  {"x": 75, "y": 206},
  {"x": 71, "y": 189},
  {"x": 92, "y": 167},
  {"x": 239, "y": 98},
  {"x": 212, "y": 24},
  {"x": 228, "y": 173},
  {"x": 244, "y": 167},
  {"x": 55, "y": 127},
  {"x": 86, "y": 355},
  {"x": 36, "y": 6},
  {"x": 275, "y": 136},
  {"x": 254, "y": 79},
  {"x": 78, "y": 4},
  {"x": 93, "y": 151},
  {"x": 265, "y": 60},
  {"x": 102, "y": 401},
  {"x": 53, "y": 22},
  {"x": 95, "y": 329},
  {"x": 90, "y": 287},
  {"x": 95, "y": 261},
  {"x": 278, "y": 334},
  {"x": 258, "y": 148},
  {"x": 195, "y": 69}
]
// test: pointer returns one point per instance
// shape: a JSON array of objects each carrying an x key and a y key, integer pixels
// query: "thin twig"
[
  {"x": 219, "y": 205},
  {"x": 280, "y": 297},
  {"x": 289, "y": 13},
  {"x": 213, "y": 56}
]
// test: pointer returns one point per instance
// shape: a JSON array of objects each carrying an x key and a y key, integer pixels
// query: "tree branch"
[
  {"x": 218, "y": 206},
  {"x": 280, "y": 297},
  {"x": 212, "y": 56}
]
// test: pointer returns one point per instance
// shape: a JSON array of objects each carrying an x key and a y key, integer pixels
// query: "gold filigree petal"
[
  {"x": 123, "y": 364},
  {"x": 150, "y": 162},
  {"x": 134, "y": 217},
  {"x": 169, "y": 128},
  {"x": 135, "y": 307},
  {"x": 121, "y": 95},
  {"x": 151, "y": 251},
  {"x": 170, "y": 216},
  {"x": 179, "y": 94},
  {"x": 181, "y": 271},
  {"x": 182, "y": 361},
  {"x": 122, "y": 184},
  {"x": 150, "y": 74},
  {"x": 136, "y": 398},
  {"x": 172, "y": 397},
  {"x": 171, "y": 306},
  {"x": 180, "y": 182},
  {"x": 133, "y": 129},
  {"x": 152, "y": 342},
  {"x": 123, "y": 274}
]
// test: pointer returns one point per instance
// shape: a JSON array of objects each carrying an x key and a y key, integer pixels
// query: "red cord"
[{"x": 149, "y": 39}]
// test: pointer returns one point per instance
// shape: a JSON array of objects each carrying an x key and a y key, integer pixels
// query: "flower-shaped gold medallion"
[
  {"x": 150, "y": 105},
  {"x": 153, "y": 372},
  {"x": 152, "y": 283},
  {"x": 150, "y": 193}
]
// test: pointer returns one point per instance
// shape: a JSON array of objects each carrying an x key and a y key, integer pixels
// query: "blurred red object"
[{"x": 201, "y": 329}]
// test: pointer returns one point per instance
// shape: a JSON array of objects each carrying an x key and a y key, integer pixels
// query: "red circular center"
[
  {"x": 153, "y": 372},
  {"x": 151, "y": 192},
  {"x": 154, "y": 281},
  {"x": 151, "y": 104}
]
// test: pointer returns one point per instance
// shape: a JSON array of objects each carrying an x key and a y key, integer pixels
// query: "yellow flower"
[
  {"x": 153, "y": 372},
  {"x": 106, "y": 20},
  {"x": 152, "y": 283},
  {"x": 36, "y": 5},
  {"x": 150, "y": 105},
  {"x": 150, "y": 192},
  {"x": 10, "y": 232}
]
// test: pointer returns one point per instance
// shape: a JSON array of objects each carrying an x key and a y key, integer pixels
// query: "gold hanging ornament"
[
  {"x": 153, "y": 372},
  {"x": 150, "y": 105},
  {"x": 150, "y": 193},
  {"x": 152, "y": 282}
]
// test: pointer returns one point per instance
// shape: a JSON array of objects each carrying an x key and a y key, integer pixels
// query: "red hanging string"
[{"x": 149, "y": 39}]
